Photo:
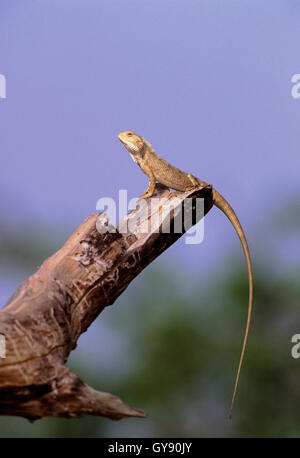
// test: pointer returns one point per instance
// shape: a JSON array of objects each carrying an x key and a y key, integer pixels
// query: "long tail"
[{"x": 224, "y": 206}]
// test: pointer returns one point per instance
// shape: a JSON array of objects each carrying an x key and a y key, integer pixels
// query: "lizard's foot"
[
  {"x": 150, "y": 190},
  {"x": 146, "y": 194},
  {"x": 194, "y": 181}
]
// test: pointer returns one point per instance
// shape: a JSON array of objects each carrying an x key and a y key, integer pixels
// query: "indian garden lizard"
[{"x": 157, "y": 169}]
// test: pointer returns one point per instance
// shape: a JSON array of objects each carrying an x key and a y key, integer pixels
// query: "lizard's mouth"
[
  {"x": 124, "y": 140},
  {"x": 132, "y": 142},
  {"x": 120, "y": 137},
  {"x": 131, "y": 147}
]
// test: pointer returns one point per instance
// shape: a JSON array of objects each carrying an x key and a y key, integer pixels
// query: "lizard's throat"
[{"x": 136, "y": 154}]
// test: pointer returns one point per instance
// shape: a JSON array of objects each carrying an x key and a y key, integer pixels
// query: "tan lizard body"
[{"x": 157, "y": 169}]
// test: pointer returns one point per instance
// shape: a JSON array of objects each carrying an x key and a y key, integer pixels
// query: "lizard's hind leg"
[{"x": 194, "y": 181}]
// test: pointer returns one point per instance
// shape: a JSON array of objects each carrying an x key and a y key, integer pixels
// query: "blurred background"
[{"x": 208, "y": 83}]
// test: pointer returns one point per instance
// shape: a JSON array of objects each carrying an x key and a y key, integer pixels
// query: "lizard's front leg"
[{"x": 151, "y": 187}]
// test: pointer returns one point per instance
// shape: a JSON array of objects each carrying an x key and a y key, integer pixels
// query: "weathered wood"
[{"x": 45, "y": 317}]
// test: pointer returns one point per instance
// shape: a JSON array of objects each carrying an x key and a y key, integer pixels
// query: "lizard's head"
[{"x": 132, "y": 142}]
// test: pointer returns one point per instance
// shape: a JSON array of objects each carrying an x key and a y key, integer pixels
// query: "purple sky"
[{"x": 208, "y": 83}]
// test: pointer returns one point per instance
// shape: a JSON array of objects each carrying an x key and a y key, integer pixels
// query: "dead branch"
[{"x": 45, "y": 317}]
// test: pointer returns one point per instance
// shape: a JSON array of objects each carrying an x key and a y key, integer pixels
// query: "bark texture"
[{"x": 45, "y": 317}]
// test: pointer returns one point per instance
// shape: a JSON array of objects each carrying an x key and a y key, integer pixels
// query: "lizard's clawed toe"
[{"x": 145, "y": 195}]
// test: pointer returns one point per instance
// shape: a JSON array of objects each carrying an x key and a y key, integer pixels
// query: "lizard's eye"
[{"x": 129, "y": 134}]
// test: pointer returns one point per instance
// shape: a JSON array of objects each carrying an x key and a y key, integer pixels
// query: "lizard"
[{"x": 157, "y": 169}]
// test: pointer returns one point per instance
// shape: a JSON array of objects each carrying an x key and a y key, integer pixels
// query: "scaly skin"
[{"x": 157, "y": 169}]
